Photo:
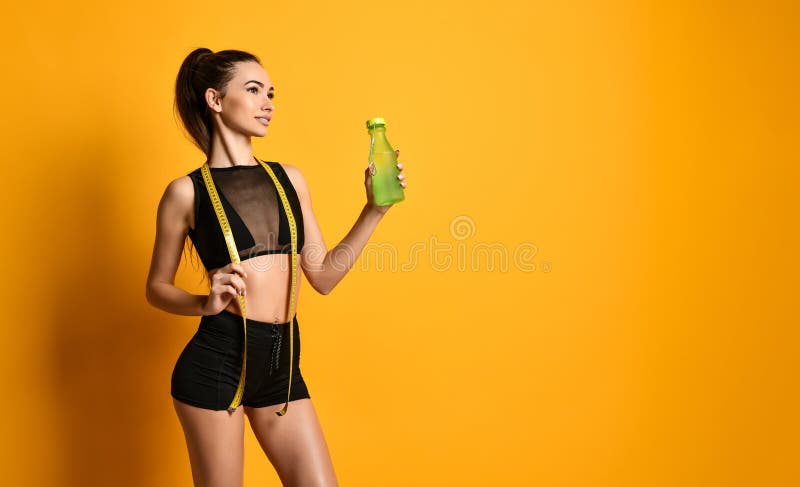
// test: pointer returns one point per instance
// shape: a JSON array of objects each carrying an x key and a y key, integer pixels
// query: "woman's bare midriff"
[{"x": 267, "y": 283}]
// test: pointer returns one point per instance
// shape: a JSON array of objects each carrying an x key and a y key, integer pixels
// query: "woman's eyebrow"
[{"x": 259, "y": 83}]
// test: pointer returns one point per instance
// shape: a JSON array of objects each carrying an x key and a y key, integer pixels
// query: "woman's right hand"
[{"x": 226, "y": 283}]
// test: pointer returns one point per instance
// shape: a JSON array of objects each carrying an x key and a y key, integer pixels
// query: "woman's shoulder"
[
  {"x": 181, "y": 185},
  {"x": 296, "y": 177},
  {"x": 179, "y": 194}
]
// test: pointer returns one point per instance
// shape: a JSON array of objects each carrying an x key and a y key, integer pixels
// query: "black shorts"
[{"x": 207, "y": 372}]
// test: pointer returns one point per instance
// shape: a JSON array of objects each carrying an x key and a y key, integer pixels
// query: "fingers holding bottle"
[{"x": 400, "y": 176}]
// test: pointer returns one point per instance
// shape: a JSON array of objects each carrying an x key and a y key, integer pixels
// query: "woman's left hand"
[{"x": 368, "y": 185}]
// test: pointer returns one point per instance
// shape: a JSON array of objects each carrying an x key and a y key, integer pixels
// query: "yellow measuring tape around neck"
[{"x": 234, "y": 253}]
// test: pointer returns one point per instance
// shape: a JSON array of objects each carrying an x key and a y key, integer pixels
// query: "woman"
[{"x": 224, "y": 99}]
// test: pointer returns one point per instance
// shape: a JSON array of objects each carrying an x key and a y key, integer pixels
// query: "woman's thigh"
[
  {"x": 294, "y": 443},
  {"x": 215, "y": 440}
]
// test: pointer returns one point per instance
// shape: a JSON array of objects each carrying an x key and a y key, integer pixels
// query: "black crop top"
[{"x": 254, "y": 210}]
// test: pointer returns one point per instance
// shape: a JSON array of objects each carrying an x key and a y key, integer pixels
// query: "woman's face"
[{"x": 247, "y": 105}]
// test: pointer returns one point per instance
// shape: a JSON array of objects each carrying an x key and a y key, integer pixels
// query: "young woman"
[{"x": 224, "y": 99}]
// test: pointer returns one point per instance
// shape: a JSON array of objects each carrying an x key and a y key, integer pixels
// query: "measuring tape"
[{"x": 234, "y": 253}]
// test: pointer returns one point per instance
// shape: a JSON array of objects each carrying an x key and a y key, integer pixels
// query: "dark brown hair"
[{"x": 203, "y": 69}]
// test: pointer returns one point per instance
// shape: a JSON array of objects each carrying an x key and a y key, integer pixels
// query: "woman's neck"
[{"x": 231, "y": 149}]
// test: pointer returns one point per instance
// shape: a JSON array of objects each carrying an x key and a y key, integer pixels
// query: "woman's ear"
[{"x": 212, "y": 100}]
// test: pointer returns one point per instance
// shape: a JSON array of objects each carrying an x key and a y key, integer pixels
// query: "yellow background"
[{"x": 642, "y": 153}]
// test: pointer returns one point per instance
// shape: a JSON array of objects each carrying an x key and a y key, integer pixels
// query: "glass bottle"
[{"x": 386, "y": 187}]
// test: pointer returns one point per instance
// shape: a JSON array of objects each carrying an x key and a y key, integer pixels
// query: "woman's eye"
[{"x": 269, "y": 95}]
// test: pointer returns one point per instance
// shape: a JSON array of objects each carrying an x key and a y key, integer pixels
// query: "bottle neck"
[{"x": 378, "y": 139}]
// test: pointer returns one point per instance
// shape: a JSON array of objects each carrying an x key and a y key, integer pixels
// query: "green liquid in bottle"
[{"x": 386, "y": 188}]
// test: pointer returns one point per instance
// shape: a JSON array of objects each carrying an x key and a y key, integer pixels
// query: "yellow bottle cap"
[{"x": 373, "y": 122}]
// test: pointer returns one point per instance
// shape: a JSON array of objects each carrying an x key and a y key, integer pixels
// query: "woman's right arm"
[{"x": 172, "y": 225}]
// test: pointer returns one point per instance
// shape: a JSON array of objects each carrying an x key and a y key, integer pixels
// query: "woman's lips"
[{"x": 264, "y": 121}]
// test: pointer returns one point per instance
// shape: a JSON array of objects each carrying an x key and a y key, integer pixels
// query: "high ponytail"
[{"x": 203, "y": 69}]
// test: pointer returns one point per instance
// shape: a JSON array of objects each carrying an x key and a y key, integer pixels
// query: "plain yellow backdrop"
[{"x": 590, "y": 282}]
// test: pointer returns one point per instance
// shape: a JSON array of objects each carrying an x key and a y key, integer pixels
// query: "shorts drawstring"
[{"x": 274, "y": 359}]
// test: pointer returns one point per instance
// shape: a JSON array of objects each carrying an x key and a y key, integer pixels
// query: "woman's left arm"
[{"x": 323, "y": 268}]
